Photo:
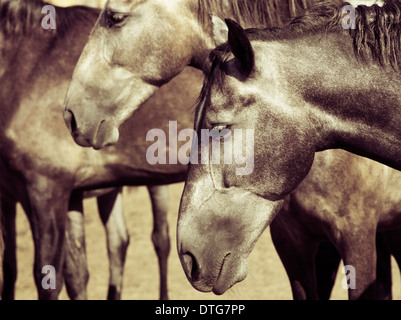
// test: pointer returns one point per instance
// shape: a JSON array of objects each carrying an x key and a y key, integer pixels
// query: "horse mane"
[
  {"x": 377, "y": 30},
  {"x": 255, "y": 13},
  {"x": 377, "y": 33},
  {"x": 22, "y": 17}
]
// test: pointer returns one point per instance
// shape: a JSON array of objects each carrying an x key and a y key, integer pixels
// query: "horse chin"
[
  {"x": 230, "y": 274},
  {"x": 106, "y": 135},
  {"x": 231, "y": 271}
]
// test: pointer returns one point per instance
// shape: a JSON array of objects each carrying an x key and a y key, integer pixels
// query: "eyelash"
[
  {"x": 115, "y": 19},
  {"x": 219, "y": 128}
]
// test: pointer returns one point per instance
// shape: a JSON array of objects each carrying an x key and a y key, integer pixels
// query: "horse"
[
  {"x": 76, "y": 274},
  {"x": 335, "y": 204},
  {"x": 27, "y": 24},
  {"x": 289, "y": 7},
  {"x": 297, "y": 106},
  {"x": 41, "y": 166},
  {"x": 115, "y": 24},
  {"x": 136, "y": 47}
]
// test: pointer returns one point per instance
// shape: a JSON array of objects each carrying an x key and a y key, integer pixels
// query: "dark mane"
[
  {"x": 22, "y": 17},
  {"x": 255, "y": 13},
  {"x": 377, "y": 34},
  {"x": 377, "y": 29}
]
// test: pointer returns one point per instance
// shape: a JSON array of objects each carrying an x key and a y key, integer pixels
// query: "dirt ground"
[{"x": 266, "y": 279}]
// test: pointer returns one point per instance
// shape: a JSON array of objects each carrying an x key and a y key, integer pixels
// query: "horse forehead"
[
  {"x": 269, "y": 55},
  {"x": 268, "y": 82}
]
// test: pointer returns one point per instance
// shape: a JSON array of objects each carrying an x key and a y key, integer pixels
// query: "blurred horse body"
[
  {"x": 41, "y": 166},
  {"x": 344, "y": 200}
]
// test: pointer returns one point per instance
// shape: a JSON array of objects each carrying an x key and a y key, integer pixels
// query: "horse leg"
[
  {"x": 327, "y": 261},
  {"x": 297, "y": 252},
  {"x": 8, "y": 208},
  {"x": 358, "y": 250},
  {"x": 76, "y": 272},
  {"x": 1, "y": 250},
  {"x": 383, "y": 282},
  {"x": 159, "y": 196},
  {"x": 46, "y": 208},
  {"x": 392, "y": 239},
  {"x": 111, "y": 212}
]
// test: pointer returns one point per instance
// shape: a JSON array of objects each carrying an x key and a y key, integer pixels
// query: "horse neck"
[
  {"x": 355, "y": 105},
  {"x": 19, "y": 56},
  {"x": 31, "y": 63}
]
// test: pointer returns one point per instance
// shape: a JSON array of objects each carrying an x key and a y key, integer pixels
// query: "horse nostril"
[
  {"x": 191, "y": 266},
  {"x": 70, "y": 120}
]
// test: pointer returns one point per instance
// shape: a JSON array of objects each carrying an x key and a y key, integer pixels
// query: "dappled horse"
[
  {"x": 43, "y": 169},
  {"x": 275, "y": 13},
  {"x": 110, "y": 209},
  {"x": 136, "y": 47},
  {"x": 46, "y": 167},
  {"x": 343, "y": 200},
  {"x": 288, "y": 86},
  {"x": 143, "y": 68}
]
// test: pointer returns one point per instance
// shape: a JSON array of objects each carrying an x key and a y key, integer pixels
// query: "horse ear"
[
  {"x": 220, "y": 30},
  {"x": 240, "y": 46}
]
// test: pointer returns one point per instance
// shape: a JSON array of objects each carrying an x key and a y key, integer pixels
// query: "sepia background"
[{"x": 266, "y": 279}]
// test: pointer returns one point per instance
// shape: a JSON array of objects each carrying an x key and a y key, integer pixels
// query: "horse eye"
[
  {"x": 220, "y": 132},
  {"x": 219, "y": 127},
  {"x": 116, "y": 19}
]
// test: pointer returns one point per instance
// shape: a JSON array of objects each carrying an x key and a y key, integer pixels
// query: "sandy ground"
[{"x": 266, "y": 279}]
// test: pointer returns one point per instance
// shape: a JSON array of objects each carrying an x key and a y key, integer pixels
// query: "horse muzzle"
[
  {"x": 216, "y": 236},
  {"x": 97, "y": 135}
]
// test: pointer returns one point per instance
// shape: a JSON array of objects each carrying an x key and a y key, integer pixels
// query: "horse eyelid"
[
  {"x": 122, "y": 17},
  {"x": 219, "y": 126}
]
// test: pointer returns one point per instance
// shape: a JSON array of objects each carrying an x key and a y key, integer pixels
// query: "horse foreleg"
[
  {"x": 1, "y": 250},
  {"x": 327, "y": 261},
  {"x": 160, "y": 202},
  {"x": 47, "y": 213},
  {"x": 111, "y": 212},
  {"x": 383, "y": 280},
  {"x": 75, "y": 267},
  {"x": 358, "y": 250},
  {"x": 392, "y": 240},
  {"x": 297, "y": 252},
  {"x": 8, "y": 208}
]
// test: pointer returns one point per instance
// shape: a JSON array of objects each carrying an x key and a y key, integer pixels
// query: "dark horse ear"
[{"x": 240, "y": 46}]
